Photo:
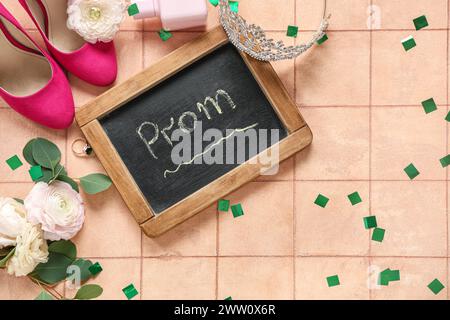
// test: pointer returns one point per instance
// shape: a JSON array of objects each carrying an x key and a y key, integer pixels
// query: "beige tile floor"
[{"x": 360, "y": 92}]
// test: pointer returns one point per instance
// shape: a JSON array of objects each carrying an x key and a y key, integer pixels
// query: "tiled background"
[{"x": 360, "y": 92}]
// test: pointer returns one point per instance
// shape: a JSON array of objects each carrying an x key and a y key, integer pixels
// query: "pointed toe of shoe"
[{"x": 93, "y": 63}]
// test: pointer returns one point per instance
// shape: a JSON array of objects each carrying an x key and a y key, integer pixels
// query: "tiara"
[{"x": 252, "y": 39}]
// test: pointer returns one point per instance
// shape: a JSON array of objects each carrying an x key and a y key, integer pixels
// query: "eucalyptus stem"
[{"x": 47, "y": 289}]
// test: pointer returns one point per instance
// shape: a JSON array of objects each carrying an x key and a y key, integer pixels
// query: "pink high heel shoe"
[
  {"x": 31, "y": 82},
  {"x": 93, "y": 63}
]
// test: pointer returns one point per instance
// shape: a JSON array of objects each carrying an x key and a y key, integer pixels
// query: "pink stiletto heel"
[
  {"x": 93, "y": 63},
  {"x": 31, "y": 82}
]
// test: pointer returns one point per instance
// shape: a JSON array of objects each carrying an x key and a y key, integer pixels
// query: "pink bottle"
[{"x": 174, "y": 14}]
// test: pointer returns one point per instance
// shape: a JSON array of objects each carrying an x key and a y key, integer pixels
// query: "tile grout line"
[
  {"x": 370, "y": 141},
  {"x": 447, "y": 140},
  {"x": 294, "y": 213},
  {"x": 166, "y": 257}
]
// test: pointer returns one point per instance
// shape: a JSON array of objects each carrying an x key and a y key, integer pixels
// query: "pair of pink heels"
[{"x": 31, "y": 79}]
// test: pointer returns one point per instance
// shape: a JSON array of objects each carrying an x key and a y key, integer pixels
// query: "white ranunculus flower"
[
  {"x": 96, "y": 20},
  {"x": 57, "y": 207},
  {"x": 12, "y": 221},
  {"x": 31, "y": 249}
]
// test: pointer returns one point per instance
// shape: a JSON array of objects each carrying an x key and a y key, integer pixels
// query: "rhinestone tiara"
[{"x": 252, "y": 39}]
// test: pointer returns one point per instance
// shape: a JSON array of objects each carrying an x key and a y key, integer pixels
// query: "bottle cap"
[{"x": 147, "y": 9}]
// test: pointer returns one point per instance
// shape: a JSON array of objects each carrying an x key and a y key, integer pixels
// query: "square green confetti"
[
  {"x": 408, "y": 43},
  {"x": 447, "y": 117},
  {"x": 234, "y": 6},
  {"x": 35, "y": 173},
  {"x": 228, "y": 298},
  {"x": 411, "y": 171},
  {"x": 14, "y": 162},
  {"x": 322, "y": 40},
  {"x": 445, "y": 161},
  {"x": 394, "y": 275},
  {"x": 130, "y": 291},
  {"x": 321, "y": 201},
  {"x": 237, "y": 210},
  {"x": 370, "y": 222},
  {"x": 354, "y": 198},
  {"x": 164, "y": 34},
  {"x": 333, "y": 281},
  {"x": 429, "y": 105},
  {"x": 223, "y": 205},
  {"x": 292, "y": 31},
  {"x": 95, "y": 269},
  {"x": 436, "y": 286},
  {"x": 133, "y": 9},
  {"x": 420, "y": 22},
  {"x": 378, "y": 234},
  {"x": 215, "y": 3},
  {"x": 383, "y": 278}
]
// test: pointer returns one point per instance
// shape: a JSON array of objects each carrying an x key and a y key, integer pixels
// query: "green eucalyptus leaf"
[
  {"x": 28, "y": 153},
  {"x": 47, "y": 175},
  {"x": 95, "y": 183},
  {"x": 46, "y": 153},
  {"x": 64, "y": 247},
  {"x": 88, "y": 292},
  {"x": 84, "y": 265},
  {"x": 73, "y": 184},
  {"x": 44, "y": 295},
  {"x": 6, "y": 258},
  {"x": 54, "y": 270}
]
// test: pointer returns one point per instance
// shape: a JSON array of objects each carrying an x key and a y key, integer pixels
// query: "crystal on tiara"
[{"x": 252, "y": 39}]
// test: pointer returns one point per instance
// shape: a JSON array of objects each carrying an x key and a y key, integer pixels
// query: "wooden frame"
[{"x": 299, "y": 134}]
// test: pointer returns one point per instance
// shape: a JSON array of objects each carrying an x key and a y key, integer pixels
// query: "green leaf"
[
  {"x": 6, "y": 258},
  {"x": 54, "y": 270},
  {"x": 19, "y": 200},
  {"x": 84, "y": 265},
  {"x": 47, "y": 176},
  {"x": 44, "y": 295},
  {"x": 46, "y": 153},
  {"x": 88, "y": 292},
  {"x": 28, "y": 153},
  {"x": 95, "y": 183},
  {"x": 73, "y": 184},
  {"x": 59, "y": 171},
  {"x": 64, "y": 247}
]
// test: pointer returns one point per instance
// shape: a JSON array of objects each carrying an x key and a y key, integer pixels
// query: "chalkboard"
[
  {"x": 222, "y": 76},
  {"x": 206, "y": 103}
]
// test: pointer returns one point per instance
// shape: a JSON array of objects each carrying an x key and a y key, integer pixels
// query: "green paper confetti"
[
  {"x": 292, "y": 31},
  {"x": 420, "y": 22},
  {"x": 378, "y": 234},
  {"x": 133, "y": 9},
  {"x": 223, "y": 205},
  {"x": 408, "y": 43},
  {"x": 215, "y": 3},
  {"x": 370, "y": 222},
  {"x": 237, "y": 210},
  {"x": 95, "y": 269},
  {"x": 436, "y": 286},
  {"x": 130, "y": 291},
  {"x": 354, "y": 198},
  {"x": 164, "y": 34},
  {"x": 14, "y": 162},
  {"x": 445, "y": 161},
  {"x": 321, "y": 201},
  {"x": 228, "y": 298},
  {"x": 333, "y": 281},
  {"x": 322, "y": 40},
  {"x": 411, "y": 171},
  {"x": 429, "y": 105},
  {"x": 387, "y": 276},
  {"x": 448, "y": 117},
  {"x": 36, "y": 173},
  {"x": 234, "y": 6}
]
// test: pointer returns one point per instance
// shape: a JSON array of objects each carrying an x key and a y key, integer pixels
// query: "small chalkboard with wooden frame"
[{"x": 206, "y": 81}]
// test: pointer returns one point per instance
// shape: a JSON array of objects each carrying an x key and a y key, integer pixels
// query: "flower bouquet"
[{"x": 35, "y": 232}]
